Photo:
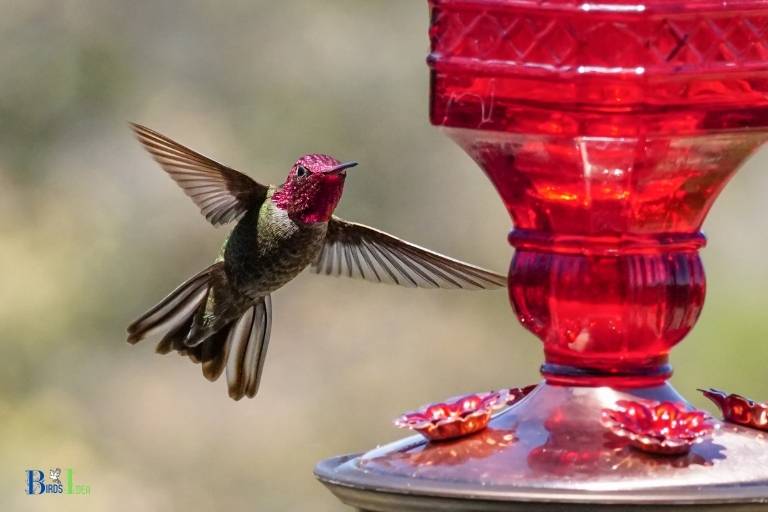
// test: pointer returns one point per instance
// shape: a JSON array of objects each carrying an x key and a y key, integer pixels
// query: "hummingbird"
[{"x": 222, "y": 316}]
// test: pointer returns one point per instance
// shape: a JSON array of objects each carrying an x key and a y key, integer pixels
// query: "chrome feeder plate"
[{"x": 550, "y": 452}]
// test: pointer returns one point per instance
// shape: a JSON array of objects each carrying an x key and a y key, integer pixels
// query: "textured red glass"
[{"x": 608, "y": 129}]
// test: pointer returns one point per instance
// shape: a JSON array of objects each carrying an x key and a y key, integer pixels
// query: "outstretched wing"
[
  {"x": 222, "y": 193},
  {"x": 359, "y": 251}
]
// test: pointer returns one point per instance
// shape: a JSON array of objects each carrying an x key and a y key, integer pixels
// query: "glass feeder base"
[{"x": 550, "y": 452}]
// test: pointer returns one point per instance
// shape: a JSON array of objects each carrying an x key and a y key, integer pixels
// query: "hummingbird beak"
[{"x": 340, "y": 167}]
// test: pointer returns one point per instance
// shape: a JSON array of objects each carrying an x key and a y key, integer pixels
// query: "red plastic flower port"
[
  {"x": 453, "y": 418},
  {"x": 459, "y": 416},
  {"x": 738, "y": 409},
  {"x": 661, "y": 428}
]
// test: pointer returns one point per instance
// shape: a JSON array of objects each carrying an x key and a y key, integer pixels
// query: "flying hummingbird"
[{"x": 221, "y": 317}]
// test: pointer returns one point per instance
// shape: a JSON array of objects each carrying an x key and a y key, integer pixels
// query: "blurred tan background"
[{"x": 92, "y": 233}]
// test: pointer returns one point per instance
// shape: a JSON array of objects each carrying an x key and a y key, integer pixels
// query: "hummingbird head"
[{"x": 313, "y": 188}]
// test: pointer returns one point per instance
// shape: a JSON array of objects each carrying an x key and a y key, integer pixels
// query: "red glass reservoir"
[{"x": 608, "y": 129}]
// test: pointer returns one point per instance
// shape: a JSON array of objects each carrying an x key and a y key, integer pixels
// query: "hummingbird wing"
[
  {"x": 359, "y": 251},
  {"x": 221, "y": 193}
]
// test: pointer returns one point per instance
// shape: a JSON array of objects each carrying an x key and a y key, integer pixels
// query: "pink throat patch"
[{"x": 311, "y": 201}]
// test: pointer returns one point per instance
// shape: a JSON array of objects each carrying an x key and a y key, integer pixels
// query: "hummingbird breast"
[{"x": 267, "y": 249}]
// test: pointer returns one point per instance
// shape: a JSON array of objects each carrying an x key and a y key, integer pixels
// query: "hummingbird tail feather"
[
  {"x": 246, "y": 344},
  {"x": 213, "y": 354},
  {"x": 239, "y": 346},
  {"x": 172, "y": 313},
  {"x": 174, "y": 339}
]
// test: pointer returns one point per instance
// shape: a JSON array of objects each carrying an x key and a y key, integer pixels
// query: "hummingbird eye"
[{"x": 301, "y": 171}]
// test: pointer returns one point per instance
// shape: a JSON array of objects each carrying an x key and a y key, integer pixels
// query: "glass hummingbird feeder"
[{"x": 608, "y": 129}]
